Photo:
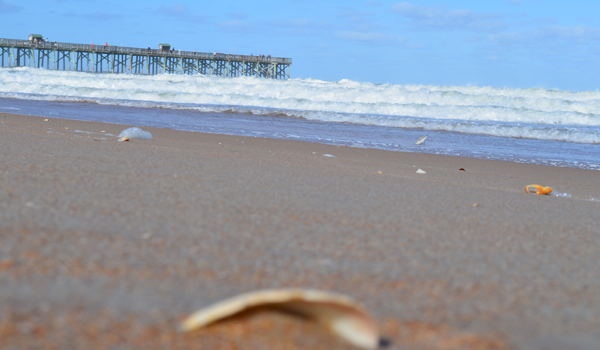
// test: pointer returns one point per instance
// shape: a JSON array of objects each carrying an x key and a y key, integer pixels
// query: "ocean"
[{"x": 526, "y": 125}]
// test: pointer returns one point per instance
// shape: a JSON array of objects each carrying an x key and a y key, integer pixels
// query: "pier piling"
[{"x": 129, "y": 60}]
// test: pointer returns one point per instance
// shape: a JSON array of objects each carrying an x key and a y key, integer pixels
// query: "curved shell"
[
  {"x": 538, "y": 189},
  {"x": 341, "y": 314}
]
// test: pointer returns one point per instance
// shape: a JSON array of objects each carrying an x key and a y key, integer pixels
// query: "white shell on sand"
[
  {"x": 341, "y": 314},
  {"x": 420, "y": 171}
]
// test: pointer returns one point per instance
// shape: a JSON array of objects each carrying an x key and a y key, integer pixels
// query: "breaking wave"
[{"x": 507, "y": 112}]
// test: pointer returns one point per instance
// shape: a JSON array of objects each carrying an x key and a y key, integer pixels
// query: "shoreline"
[
  {"x": 116, "y": 128},
  {"x": 109, "y": 243},
  {"x": 465, "y": 145}
]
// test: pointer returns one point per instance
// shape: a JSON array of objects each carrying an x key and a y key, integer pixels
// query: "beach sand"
[{"x": 107, "y": 244}]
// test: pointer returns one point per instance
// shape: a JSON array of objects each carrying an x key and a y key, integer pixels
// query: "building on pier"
[
  {"x": 36, "y": 38},
  {"x": 36, "y": 53}
]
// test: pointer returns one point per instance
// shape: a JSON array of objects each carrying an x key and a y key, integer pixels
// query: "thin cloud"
[
  {"x": 97, "y": 16},
  {"x": 436, "y": 18},
  {"x": 173, "y": 11},
  {"x": 298, "y": 27},
  {"x": 355, "y": 17},
  {"x": 544, "y": 21},
  {"x": 237, "y": 15},
  {"x": 360, "y": 21},
  {"x": 101, "y": 16},
  {"x": 180, "y": 12},
  {"x": 235, "y": 26},
  {"x": 350, "y": 12},
  {"x": 373, "y": 3},
  {"x": 568, "y": 33},
  {"x": 595, "y": 50},
  {"x": 6, "y": 7},
  {"x": 297, "y": 23},
  {"x": 545, "y": 37},
  {"x": 371, "y": 38}
]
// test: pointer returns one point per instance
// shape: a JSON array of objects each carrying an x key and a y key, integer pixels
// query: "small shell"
[
  {"x": 421, "y": 171},
  {"x": 123, "y": 139},
  {"x": 45, "y": 120},
  {"x": 538, "y": 189},
  {"x": 342, "y": 315}
]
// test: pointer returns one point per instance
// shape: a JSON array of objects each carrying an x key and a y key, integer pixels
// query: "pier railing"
[{"x": 134, "y": 60}]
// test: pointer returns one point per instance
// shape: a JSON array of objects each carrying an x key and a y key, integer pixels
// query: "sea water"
[{"x": 531, "y": 125}]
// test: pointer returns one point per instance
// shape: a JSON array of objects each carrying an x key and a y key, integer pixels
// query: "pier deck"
[{"x": 130, "y": 60}]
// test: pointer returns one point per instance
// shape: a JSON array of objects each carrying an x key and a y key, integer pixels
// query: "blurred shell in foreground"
[{"x": 341, "y": 314}]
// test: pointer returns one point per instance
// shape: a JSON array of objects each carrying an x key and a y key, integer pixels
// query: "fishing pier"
[{"x": 37, "y": 53}]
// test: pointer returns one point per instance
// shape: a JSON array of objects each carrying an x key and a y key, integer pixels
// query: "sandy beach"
[{"x": 107, "y": 244}]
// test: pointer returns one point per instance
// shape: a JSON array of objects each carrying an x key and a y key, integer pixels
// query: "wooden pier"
[{"x": 130, "y": 60}]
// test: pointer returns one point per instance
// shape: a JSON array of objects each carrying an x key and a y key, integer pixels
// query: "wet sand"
[{"x": 107, "y": 244}]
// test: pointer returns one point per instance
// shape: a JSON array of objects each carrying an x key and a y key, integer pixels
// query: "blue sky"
[{"x": 512, "y": 43}]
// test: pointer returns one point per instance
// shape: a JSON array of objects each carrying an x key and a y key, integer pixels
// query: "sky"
[{"x": 501, "y": 43}]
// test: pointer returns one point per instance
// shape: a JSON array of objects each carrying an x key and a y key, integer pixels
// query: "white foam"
[
  {"x": 136, "y": 133},
  {"x": 531, "y": 113}
]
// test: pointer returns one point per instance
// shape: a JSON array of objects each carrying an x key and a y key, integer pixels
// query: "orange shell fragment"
[{"x": 538, "y": 189}]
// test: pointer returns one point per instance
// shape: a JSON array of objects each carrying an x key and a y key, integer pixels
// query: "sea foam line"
[{"x": 531, "y": 113}]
